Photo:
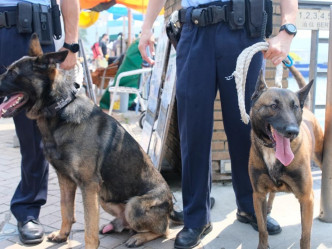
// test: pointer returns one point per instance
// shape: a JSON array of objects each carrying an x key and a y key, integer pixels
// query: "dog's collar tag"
[{"x": 57, "y": 106}]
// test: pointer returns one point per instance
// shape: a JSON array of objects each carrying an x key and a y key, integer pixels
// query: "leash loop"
[{"x": 240, "y": 75}]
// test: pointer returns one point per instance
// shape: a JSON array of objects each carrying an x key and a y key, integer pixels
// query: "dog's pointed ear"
[
  {"x": 260, "y": 86},
  {"x": 55, "y": 57},
  {"x": 50, "y": 59},
  {"x": 303, "y": 93},
  {"x": 35, "y": 48}
]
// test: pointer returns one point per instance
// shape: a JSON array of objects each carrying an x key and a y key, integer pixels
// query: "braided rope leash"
[{"x": 240, "y": 75}]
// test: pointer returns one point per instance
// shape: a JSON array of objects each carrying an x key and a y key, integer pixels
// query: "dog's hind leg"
[
  {"x": 148, "y": 217},
  {"x": 141, "y": 238},
  {"x": 307, "y": 207},
  {"x": 117, "y": 210},
  {"x": 261, "y": 213},
  {"x": 67, "y": 191},
  {"x": 90, "y": 194}
]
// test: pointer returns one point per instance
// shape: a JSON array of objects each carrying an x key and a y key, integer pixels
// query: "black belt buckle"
[{"x": 3, "y": 20}]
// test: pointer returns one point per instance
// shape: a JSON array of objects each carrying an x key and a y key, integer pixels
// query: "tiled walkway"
[{"x": 228, "y": 233}]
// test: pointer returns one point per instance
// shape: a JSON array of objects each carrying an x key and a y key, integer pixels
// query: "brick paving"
[{"x": 228, "y": 233}]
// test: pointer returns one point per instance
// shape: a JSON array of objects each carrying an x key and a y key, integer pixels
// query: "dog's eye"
[{"x": 274, "y": 106}]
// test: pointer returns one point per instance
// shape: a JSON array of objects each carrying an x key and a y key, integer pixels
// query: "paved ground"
[{"x": 228, "y": 233}]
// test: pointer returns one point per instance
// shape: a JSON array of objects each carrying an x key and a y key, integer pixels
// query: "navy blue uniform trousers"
[
  {"x": 206, "y": 57},
  {"x": 31, "y": 192}
]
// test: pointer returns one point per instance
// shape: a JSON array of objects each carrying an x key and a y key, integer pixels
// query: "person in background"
[
  {"x": 31, "y": 192},
  {"x": 103, "y": 44},
  {"x": 206, "y": 56}
]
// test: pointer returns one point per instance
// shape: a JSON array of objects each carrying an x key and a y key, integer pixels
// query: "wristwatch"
[
  {"x": 74, "y": 47},
  {"x": 289, "y": 28}
]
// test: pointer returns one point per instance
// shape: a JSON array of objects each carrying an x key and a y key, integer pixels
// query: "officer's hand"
[
  {"x": 279, "y": 47},
  {"x": 70, "y": 60},
  {"x": 146, "y": 40}
]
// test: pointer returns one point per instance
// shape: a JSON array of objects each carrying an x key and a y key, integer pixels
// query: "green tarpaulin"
[{"x": 131, "y": 61}]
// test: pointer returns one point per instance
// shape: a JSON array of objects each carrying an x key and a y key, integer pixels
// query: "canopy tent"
[
  {"x": 118, "y": 11},
  {"x": 100, "y": 5}
]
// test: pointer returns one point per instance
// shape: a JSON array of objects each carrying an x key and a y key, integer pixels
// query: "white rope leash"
[{"x": 240, "y": 74}]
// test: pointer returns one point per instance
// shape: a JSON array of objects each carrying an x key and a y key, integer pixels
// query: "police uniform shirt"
[
  {"x": 194, "y": 3},
  {"x": 8, "y": 3}
]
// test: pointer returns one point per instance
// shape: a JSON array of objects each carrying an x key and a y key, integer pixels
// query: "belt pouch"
[
  {"x": 256, "y": 18},
  {"x": 42, "y": 24},
  {"x": 24, "y": 17},
  {"x": 237, "y": 15},
  {"x": 269, "y": 12}
]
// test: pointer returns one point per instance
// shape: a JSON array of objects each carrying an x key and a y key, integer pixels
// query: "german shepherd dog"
[
  {"x": 90, "y": 150},
  {"x": 285, "y": 137}
]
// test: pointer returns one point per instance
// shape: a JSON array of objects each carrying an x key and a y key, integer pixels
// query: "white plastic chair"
[{"x": 122, "y": 89}]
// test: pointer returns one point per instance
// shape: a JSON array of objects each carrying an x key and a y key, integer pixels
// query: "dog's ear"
[
  {"x": 35, "y": 48},
  {"x": 55, "y": 57},
  {"x": 302, "y": 94},
  {"x": 260, "y": 86},
  {"x": 50, "y": 59}
]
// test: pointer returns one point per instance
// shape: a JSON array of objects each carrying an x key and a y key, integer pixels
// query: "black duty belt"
[
  {"x": 205, "y": 16},
  {"x": 8, "y": 19}
]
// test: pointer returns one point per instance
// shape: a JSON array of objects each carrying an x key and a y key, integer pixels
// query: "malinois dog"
[
  {"x": 90, "y": 150},
  {"x": 285, "y": 137}
]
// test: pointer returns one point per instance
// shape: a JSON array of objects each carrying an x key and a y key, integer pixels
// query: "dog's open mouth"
[
  {"x": 282, "y": 145},
  {"x": 11, "y": 103}
]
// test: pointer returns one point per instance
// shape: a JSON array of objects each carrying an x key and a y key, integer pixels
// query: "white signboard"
[{"x": 313, "y": 19}]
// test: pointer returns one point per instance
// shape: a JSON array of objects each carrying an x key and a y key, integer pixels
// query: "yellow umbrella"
[{"x": 87, "y": 18}]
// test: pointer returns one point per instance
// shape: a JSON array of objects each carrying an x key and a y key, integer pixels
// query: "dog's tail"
[
  {"x": 176, "y": 217},
  {"x": 300, "y": 82},
  {"x": 298, "y": 76}
]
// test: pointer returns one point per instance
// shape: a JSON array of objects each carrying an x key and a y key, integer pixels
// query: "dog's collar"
[
  {"x": 262, "y": 142},
  {"x": 51, "y": 110}
]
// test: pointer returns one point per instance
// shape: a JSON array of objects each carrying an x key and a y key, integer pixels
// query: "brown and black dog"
[
  {"x": 90, "y": 150},
  {"x": 285, "y": 137}
]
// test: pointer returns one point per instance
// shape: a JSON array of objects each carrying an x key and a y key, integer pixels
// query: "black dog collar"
[{"x": 51, "y": 110}]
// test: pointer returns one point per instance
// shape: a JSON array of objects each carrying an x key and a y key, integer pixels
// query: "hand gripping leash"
[{"x": 240, "y": 74}]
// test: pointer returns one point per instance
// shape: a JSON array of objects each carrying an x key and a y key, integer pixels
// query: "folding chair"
[{"x": 122, "y": 89}]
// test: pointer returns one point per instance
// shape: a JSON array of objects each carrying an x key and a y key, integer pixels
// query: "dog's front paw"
[
  {"x": 57, "y": 237},
  {"x": 261, "y": 246},
  {"x": 135, "y": 241}
]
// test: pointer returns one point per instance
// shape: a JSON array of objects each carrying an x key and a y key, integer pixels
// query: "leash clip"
[{"x": 290, "y": 61}]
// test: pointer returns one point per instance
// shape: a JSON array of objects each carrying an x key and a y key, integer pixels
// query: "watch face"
[
  {"x": 75, "y": 47},
  {"x": 291, "y": 28}
]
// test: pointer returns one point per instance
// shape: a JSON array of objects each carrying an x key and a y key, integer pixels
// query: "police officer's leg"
[
  {"x": 238, "y": 133},
  {"x": 31, "y": 192},
  {"x": 195, "y": 93}
]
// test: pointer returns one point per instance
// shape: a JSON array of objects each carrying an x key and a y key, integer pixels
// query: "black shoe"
[
  {"x": 31, "y": 232},
  {"x": 272, "y": 225},
  {"x": 191, "y": 237}
]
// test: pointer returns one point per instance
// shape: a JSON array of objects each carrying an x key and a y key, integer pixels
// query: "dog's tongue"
[
  {"x": 283, "y": 150},
  {"x": 5, "y": 105}
]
